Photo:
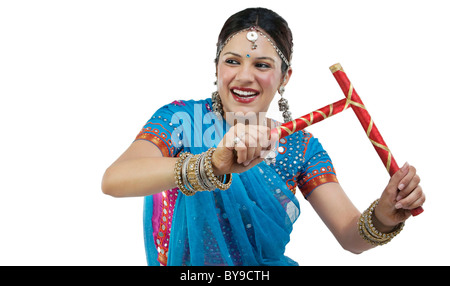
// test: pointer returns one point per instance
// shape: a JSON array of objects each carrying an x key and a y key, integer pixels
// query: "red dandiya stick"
[
  {"x": 306, "y": 120},
  {"x": 362, "y": 114},
  {"x": 367, "y": 123}
]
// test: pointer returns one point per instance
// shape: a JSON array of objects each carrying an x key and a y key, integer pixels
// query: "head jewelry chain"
[{"x": 253, "y": 35}]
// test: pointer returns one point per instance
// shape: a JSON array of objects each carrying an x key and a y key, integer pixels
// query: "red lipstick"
[{"x": 244, "y": 94}]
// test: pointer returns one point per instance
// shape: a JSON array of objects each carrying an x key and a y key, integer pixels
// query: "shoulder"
[
  {"x": 301, "y": 160},
  {"x": 290, "y": 158},
  {"x": 296, "y": 147},
  {"x": 165, "y": 127}
]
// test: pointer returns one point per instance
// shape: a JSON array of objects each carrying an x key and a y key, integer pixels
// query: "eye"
[
  {"x": 263, "y": 66},
  {"x": 231, "y": 62}
]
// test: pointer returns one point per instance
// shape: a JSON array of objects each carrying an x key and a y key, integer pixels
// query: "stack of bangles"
[
  {"x": 369, "y": 233},
  {"x": 194, "y": 173}
]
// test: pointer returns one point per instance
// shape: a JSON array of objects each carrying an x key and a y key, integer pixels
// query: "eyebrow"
[{"x": 258, "y": 58}]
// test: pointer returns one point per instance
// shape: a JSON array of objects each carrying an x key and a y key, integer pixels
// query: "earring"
[
  {"x": 217, "y": 107},
  {"x": 284, "y": 106},
  {"x": 217, "y": 104}
]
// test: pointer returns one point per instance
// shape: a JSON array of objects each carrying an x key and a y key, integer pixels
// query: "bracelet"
[
  {"x": 368, "y": 231},
  {"x": 194, "y": 173},
  {"x": 184, "y": 174},
  {"x": 202, "y": 173},
  {"x": 180, "y": 176},
  {"x": 217, "y": 181}
]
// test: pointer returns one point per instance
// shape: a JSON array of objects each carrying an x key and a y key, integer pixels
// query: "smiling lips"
[{"x": 244, "y": 95}]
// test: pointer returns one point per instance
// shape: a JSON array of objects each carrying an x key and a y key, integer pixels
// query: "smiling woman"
[
  {"x": 266, "y": 42},
  {"x": 210, "y": 198},
  {"x": 249, "y": 84}
]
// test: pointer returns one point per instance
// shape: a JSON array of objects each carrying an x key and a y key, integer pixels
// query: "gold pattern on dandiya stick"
[
  {"x": 369, "y": 128},
  {"x": 312, "y": 120},
  {"x": 391, "y": 165}
]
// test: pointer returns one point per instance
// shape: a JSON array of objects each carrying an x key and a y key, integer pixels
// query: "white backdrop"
[{"x": 78, "y": 79}]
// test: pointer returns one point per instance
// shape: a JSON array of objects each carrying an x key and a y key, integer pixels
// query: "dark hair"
[{"x": 272, "y": 23}]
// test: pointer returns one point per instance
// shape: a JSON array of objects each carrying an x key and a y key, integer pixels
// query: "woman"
[{"x": 209, "y": 197}]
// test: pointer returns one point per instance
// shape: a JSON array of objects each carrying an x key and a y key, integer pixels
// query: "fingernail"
[
  {"x": 399, "y": 197},
  {"x": 401, "y": 186},
  {"x": 398, "y": 206},
  {"x": 405, "y": 167}
]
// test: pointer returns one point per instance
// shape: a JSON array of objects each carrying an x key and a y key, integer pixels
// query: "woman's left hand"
[{"x": 402, "y": 194}]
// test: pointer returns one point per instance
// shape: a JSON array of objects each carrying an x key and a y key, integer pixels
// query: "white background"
[{"x": 78, "y": 79}]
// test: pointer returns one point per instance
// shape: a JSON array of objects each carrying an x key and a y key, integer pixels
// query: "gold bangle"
[
  {"x": 194, "y": 173},
  {"x": 210, "y": 174},
  {"x": 178, "y": 172},
  {"x": 193, "y": 170},
  {"x": 368, "y": 231}
]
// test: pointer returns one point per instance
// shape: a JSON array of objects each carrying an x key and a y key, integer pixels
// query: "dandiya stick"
[
  {"x": 361, "y": 112},
  {"x": 311, "y": 118},
  {"x": 367, "y": 123}
]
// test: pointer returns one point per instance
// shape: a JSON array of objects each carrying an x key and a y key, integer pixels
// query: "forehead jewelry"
[{"x": 253, "y": 34}]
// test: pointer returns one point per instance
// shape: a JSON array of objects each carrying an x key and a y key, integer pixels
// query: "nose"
[{"x": 245, "y": 74}]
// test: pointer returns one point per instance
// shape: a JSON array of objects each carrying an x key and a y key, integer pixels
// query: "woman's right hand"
[{"x": 241, "y": 148}]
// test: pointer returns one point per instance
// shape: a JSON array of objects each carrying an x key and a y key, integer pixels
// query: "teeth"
[{"x": 243, "y": 93}]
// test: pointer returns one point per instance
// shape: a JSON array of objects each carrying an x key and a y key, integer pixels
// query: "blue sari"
[{"x": 248, "y": 224}]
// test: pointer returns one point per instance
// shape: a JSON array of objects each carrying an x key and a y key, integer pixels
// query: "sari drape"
[{"x": 248, "y": 224}]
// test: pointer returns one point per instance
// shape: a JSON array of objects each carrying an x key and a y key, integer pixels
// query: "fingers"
[
  {"x": 249, "y": 141},
  {"x": 395, "y": 180},
  {"x": 410, "y": 194},
  {"x": 409, "y": 172},
  {"x": 408, "y": 182},
  {"x": 414, "y": 199}
]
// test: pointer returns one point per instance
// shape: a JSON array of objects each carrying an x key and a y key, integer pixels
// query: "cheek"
[
  {"x": 224, "y": 76},
  {"x": 269, "y": 82}
]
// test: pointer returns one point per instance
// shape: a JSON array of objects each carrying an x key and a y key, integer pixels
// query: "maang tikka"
[{"x": 253, "y": 34}]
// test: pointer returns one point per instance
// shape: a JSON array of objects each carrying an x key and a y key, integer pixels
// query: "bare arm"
[
  {"x": 140, "y": 171},
  {"x": 339, "y": 215}
]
